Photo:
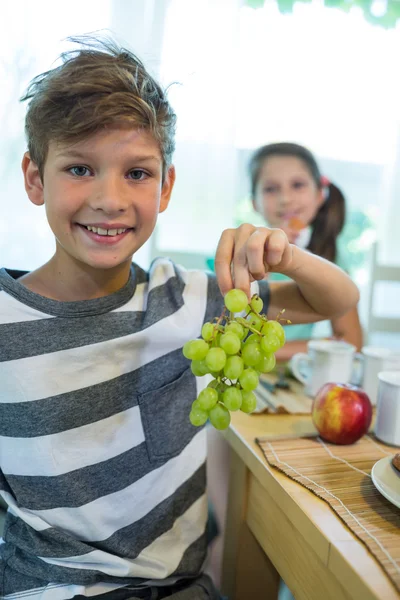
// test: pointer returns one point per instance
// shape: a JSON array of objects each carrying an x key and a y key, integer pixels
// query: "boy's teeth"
[{"x": 102, "y": 231}]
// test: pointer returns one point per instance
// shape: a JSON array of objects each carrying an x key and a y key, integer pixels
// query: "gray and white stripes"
[{"x": 103, "y": 473}]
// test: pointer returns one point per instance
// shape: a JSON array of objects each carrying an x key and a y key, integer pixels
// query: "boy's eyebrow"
[{"x": 84, "y": 155}]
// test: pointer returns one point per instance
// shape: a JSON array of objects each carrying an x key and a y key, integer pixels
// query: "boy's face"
[{"x": 102, "y": 195}]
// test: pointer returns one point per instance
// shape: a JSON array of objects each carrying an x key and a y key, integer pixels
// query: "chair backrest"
[
  {"x": 381, "y": 273},
  {"x": 188, "y": 260}
]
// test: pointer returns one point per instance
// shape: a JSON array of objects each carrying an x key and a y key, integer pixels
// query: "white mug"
[
  {"x": 387, "y": 426},
  {"x": 376, "y": 360},
  {"x": 326, "y": 361}
]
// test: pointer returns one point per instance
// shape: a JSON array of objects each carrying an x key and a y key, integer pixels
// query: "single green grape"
[
  {"x": 219, "y": 416},
  {"x": 251, "y": 354},
  {"x": 233, "y": 367},
  {"x": 253, "y": 338},
  {"x": 217, "y": 339},
  {"x": 270, "y": 343},
  {"x": 249, "y": 402},
  {"x": 207, "y": 398},
  {"x": 230, "y": 343},
  {"x": 195, "y": 349},
  {"x": 187, "y": 349},
  {"x": 207, "y": 331},
  {"x": 216, "y": 359},
  {"x": 236, "y": 328},
  {"x": 249, "y": 379},
  {"x": 198, "y": 417},
  {"x": 276, "y": 328},
  {"x": 199, "y": 368},
  {"x": 256, "y": 303},
  {"x": 266, "y": 364},
  {"x": 222, "y": 387},
  {"x": 255, "y": 321},
  {"x": 236, "y": 300},
  {"x": 232, "y": 398}
]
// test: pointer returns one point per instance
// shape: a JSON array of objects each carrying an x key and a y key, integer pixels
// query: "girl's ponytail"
[{"x": 327, "y": 225}]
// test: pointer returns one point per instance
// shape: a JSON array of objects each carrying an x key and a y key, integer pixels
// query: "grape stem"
[
  {"x": 246, "y": 324},
  {"x": 222, "y": 316},
  {"x": 279, "y": 317}
]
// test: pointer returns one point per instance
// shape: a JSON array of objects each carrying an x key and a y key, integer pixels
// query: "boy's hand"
[{"x": 248, "y": 253}]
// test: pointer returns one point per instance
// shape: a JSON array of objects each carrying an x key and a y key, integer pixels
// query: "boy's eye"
[
  {"x": 79, "y": 171},
  {"x": 137, "y": 174}
]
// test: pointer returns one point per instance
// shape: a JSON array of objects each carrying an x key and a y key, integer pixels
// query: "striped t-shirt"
[{"x": 103, "y": 474}]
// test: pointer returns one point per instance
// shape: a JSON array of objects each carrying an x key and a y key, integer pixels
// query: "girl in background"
[{"x": 289, "y": 191}]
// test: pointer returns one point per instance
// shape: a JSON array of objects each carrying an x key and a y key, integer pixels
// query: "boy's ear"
[
  {"x": 33, "y": 181},
  {"x": 167, "y": 187}
]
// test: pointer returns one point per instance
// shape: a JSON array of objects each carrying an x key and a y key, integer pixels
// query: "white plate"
[{"x": 387, "y": 480}]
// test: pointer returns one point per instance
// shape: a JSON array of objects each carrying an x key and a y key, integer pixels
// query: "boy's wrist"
[{"x": 296, "y": 262}]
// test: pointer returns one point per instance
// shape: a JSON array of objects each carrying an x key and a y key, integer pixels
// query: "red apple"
[{"x": 341, "y": 412}]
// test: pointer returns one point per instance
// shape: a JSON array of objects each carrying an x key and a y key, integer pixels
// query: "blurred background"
[{"x": 242, "y": 73}]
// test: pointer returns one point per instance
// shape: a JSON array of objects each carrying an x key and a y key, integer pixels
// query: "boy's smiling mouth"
[
  {"x": 106, "y": 233},
  {"x": 102, "y": 231}
]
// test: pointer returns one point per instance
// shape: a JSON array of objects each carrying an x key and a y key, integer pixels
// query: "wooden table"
[{"x": 276, "y": 527}]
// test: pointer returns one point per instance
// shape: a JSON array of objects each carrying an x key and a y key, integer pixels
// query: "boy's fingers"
[
  {"x": 255, "y": 250},
  {"x": 223, "y": 260},
  {"x": 245, "y": 254},
  {"x": 242, "y": 273},
  {"x": 241, "y": 276},
  {"x": 275, "y": 247}
]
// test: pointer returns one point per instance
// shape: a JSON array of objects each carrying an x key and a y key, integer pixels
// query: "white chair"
[
  {"x": 188, "y": 260},
  {"x": 381, "y": 273}
]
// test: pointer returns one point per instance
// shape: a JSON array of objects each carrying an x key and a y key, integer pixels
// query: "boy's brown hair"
[{"x": 97, "y": 85}]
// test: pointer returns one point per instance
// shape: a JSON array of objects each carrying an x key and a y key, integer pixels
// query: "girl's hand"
[{"x": 248, "y": 253}]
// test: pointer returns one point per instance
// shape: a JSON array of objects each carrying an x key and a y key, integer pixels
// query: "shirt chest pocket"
[{"x": 165, "y": 417}]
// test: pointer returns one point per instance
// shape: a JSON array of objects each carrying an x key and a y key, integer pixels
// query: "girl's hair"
[
  {"x": 329, "y": 220},
  {"x": 96, "y": 86}
]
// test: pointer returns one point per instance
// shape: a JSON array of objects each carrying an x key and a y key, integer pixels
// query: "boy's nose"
[{"x": 110, "y": 196}]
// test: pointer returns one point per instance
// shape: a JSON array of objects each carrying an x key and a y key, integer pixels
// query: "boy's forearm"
[{"x": 320, "y": 289}]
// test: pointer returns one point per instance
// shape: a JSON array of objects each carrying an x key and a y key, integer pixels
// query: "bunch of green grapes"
[{"x": 235, "y": 350}]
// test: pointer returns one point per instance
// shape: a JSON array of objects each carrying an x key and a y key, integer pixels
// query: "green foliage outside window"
[{"x": 387, "y": 17}]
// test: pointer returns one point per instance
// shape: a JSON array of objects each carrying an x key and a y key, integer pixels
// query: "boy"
[{"x": 101, "y": 469}]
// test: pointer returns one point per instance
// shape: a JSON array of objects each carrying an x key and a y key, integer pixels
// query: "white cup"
[
  {"x": 375, "y": 360},
  {"x": 326, "y": 361},
  {"x": 387, "y": 426}
]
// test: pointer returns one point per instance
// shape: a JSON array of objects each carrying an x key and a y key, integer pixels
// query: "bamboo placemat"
[
  {"x": 281, "y": 401},
  {"x": 341, "y": 475}
]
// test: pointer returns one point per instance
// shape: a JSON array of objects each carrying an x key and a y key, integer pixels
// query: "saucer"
[{"x": 386, "y": 479}]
